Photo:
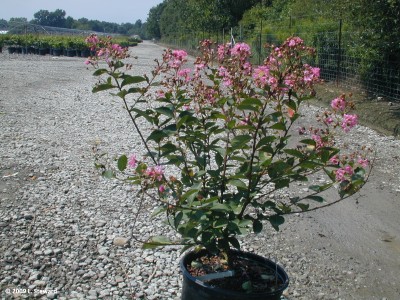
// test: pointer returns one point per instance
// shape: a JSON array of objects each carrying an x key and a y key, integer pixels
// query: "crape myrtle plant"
[{"x": 223, "y": 138}]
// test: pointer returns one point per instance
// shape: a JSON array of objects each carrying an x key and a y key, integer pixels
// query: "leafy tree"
[
  {"x": 46, "y": 18},
  {"x": 153, "y": 20},
  {"x": 3, "y": 24},
  {"x": 17, "y": 25}
]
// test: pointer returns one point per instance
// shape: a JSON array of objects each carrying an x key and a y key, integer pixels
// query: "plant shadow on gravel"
[{"x": 374, "y": 112}]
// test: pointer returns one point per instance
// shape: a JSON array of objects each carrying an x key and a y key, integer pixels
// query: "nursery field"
[{"x": 66, "y": 231}]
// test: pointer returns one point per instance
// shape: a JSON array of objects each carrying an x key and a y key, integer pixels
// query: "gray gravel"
[{"x": 67, "y": 233}]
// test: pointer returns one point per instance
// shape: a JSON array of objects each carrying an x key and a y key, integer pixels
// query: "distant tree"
[
  {"x": 46, "y": 18},
  {"x": 17, "y": 25},
  {"x": 3, "y": 24},
  {"x": 69, "y": 22},
  {"x": 153, "y": 20}
]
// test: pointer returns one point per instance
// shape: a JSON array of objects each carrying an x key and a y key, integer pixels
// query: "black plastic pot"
[
  {"x": 194, "y": 289},
  {"x": 57, "y": 52}
]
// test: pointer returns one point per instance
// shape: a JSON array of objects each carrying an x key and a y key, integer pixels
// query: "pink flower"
[
  {"x": 132, "y": 161},
  {"x": 180, "y": 54},
  {"x": 160, "y": 94},
  {"x": 318, "y": 141},
  {"x": 340, "y": 175},
  {"x": 338, "y": 104},
  {"x": 334, "y": 160},
  {"x": 185, "y": 74},
  {"x": 247, "y": 68},
  {"x": 245, "y": 121},
  {"x": 155, "y": 173},
  {"x": 349, "y": 121},
  {"x": 310, "y": 74},
  {"x": 292, "y": 42},
  {"x": 221, "y": 52},
  {"x": 363, "y": 162},
  {"x": 348, "y": 170},
  {"x": 241, "y": 49},
  {"x": 161, "y": 189}
]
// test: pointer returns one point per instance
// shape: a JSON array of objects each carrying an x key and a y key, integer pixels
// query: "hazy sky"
[{"x": 116, "y": 11}]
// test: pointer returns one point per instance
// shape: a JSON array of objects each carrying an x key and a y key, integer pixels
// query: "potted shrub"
[
  {"x": 43, "y": 45},
  {"x": 221, "y": 138},
  {"x": 70, "y": 47},
  {"x": 57, "y": 44}
]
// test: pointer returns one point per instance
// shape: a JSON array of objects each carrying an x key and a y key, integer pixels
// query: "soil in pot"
[{"x": 249, "y": 277}]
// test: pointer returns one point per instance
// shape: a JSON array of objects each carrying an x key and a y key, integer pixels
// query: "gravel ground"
[{"x": 67, "y": 233}]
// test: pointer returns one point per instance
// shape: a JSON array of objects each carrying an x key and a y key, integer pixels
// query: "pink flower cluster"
[
  {"x": 177, "y": 58},
  {"x": 338, "y": 104},
  {"x": 226, "y": 76},
  {"x": 311, "y": 74},
  {"x": 92, "y": 40},
  {"x": 132, "y": 161},
  {"x": 185, "y": 74},
  {"x": 262, "y": 78},
  {"x": 241, "y": 50},
  {"x": 106, "y": 50},
  {"x": 342, "y": 172},
  {"x": 349, "y": 121},
  {"x": 156, "y": 173},
  {"x": 294, "y": 41}
]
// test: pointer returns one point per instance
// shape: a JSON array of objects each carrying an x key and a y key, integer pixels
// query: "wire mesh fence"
[{"x": 334, "y": 56}]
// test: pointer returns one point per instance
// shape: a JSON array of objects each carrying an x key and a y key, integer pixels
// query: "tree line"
[
  {"x": 375, "y": 24},
  {"x": 59, "y": 18}
]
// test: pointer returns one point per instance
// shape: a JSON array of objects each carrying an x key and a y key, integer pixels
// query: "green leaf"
[
  {"x": 315, "y": 198},
  {"x": 276, "y": 221},
  {"x": 278, "y": 126},
  {"x": 308, "y": 142},
  {"x": 122, "y": 163},
  {"x": 158, "y": 211},
  {"x": 250, "y": 104},
  {"x": 157, "y": 241},
  {"x": 294, "y": 152},
  {"x": 118, "y": 64},
  {"x": 238, "y": 183},
  {"x": 266, "y": 141},
  {"x": 281, "y": 183},
  {"x": 247, "y": 286},
  {"x": 220, "y": 223},
  {"x": 303, "y": 206},
  {"x": 157, "y": 135},
  {"x": 257, "y": 226},
  {"x": 177, "y": 219},
  {"x": 128, "y": 79},
  {"x": 102, "y": 87},
  {"x": 108, "y": 174},
  {"x": 141, "y": 113},
  {"x": 100, "y": 72},
  {"x": 240, "y": 141},
  {"x": 220, "y": 207},
  {"x": 164, "y": 110},
  {"x": 234, "y": 242},
  {"x": 315, "y": 188}
]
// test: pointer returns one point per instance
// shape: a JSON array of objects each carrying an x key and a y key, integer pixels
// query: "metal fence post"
[{"x": 339, "y": 58}]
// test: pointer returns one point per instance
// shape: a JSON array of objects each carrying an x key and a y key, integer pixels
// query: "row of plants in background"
[{"x": 53, "y": 45}]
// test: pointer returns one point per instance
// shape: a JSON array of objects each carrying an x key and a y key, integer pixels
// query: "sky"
[{"x": 115, "y": 11}]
